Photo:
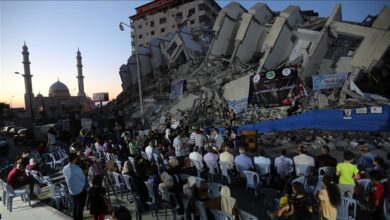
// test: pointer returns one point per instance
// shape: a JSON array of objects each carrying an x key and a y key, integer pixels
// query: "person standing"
[
  {"x": 98, "y": 199},
  {"x": 329, "y": 198},
  {"x": 77, "y": 184},
  {"x": 346, "y": 171},
  {"x": 178, "y": 146},
  {"x": 51, "y": 139},
  {"x": 218, "y": 139}
]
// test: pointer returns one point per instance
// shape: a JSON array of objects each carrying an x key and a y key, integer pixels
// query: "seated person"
[
  {"x": 244, "y": 159},
  {"x": 225, "y": 202},
  {"x": 32, "y": 165},
  {"x": 211, "y": 155},
  {"x": 227, "y": 157},
  {"x": 17, "y": 178}
]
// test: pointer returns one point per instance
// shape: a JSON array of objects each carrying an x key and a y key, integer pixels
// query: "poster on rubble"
[
  {"x": 273, "y": 88},
  {"x": 177, "y": 89},
  {"x": 329, "y": 81}
]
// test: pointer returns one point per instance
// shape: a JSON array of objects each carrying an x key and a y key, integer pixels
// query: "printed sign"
[
  {"x": 376, "y": 110},
  {"x": 272, "y": 87},
  {"x": 238, "y": 105},
  {"x": 361, "y": 111},
  {"x": 100, "y": 97},
  {"x": 177, "y": 89},
  {"x": 347, "y": 113},
  {"x": 329, "y": 81}
]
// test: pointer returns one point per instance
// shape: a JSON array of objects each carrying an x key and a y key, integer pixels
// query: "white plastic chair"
[
  {"x": 326, "y": 171},
  {"x": 215, "y": 189},
  {"x": 201, "y": 206},
  {"x": 241, "y": 168},
  {"x": 263, "y": 169},
  {"x": 220, "y": 215},
  {"x": 252, "y": 179},
  {"x": 318, "y": 185},
  {"x": 302, "y": 180},
  {"x": 246, "y": 216},
  {"x": 50, "y": 160},
  {"x": 343, "y": 211},
  {"x": 127, "y": 178},
  {"x": 11, "y": 194},
  {"x": 152, "y": 197},
  {"x": 119, "y": 182},
  {"x": 169, "y": 201},
  {"x": 131, "y": 160},
  {"x": 224, "y": 166},
  {"x": 198, "y": 166},
  {"x": 213, "y": 169},
  {"x": 302, "y": 170},
  {"x": 55, "y": 194}
]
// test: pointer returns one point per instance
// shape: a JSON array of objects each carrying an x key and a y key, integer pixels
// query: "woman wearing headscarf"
[{"x": 225, "y": 202}]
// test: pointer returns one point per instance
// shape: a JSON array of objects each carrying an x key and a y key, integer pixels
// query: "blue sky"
[{"x": 53, "y": 30}]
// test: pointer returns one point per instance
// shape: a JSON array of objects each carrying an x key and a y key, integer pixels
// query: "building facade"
[{"x": 160, "y": 17}]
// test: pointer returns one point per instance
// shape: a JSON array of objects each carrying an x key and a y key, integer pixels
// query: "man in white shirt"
[
  {"x": 218, "y": 139},
  {"x": 200, "y": 140},
  {"x": 195, "y": 155},
  {"x": 303, "y": 158},
  {"x": 283, "y": 164},
  {"x": 178, "y": 146},
  {"x": 227, "y": 157},
  {"x": 149, "y": 150},
  {"x": 261, "y": 159}
]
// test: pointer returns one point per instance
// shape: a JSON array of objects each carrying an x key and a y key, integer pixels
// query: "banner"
[
  {"x": 329, "y": 81},
  {"x": 271, "y": 88},
  {"x": 177, "y": 89},
  {"x": 238, "y": 105}
]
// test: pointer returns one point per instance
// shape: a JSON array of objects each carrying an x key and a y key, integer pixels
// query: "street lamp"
[
  {"x": 12, "y": 97},
  {"x": 121, "y": 27},
  {"x": 30, "y": 102}
]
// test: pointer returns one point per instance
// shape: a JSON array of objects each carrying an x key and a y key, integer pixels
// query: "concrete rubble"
[{"x": 219, "y": 64}]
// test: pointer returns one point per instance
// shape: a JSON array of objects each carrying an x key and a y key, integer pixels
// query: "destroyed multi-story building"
[
  {"x": 159, "y": 17},
  {"x": 253, "y": 60}
]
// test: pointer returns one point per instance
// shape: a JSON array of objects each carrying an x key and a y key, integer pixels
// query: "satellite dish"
[
  {"x": 286, "y": 72},
  {"x": 270, "y": 74},
  {"x": 256, "y": 78}
]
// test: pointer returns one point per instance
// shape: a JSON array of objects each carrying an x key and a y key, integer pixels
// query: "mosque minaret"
[
  {"x": 80, "y": 77},
  {"x": 28, "y": 95}
]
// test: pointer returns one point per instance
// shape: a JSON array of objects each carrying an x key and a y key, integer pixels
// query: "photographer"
[{"x": 77, "y": 185}]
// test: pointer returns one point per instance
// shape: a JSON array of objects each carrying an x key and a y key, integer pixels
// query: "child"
[
  {"x": 376, "y": 196},
  {"x": 329, "y": 198},
  {"x": 346, "y": 172},
  {"x": 98, "y": 199}
]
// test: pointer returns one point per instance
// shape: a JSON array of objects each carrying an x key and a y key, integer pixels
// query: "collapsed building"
[{"x": 252, "y": 60}]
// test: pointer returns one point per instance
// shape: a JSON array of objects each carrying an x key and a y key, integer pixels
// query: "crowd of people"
[{"x": 163, "y": 159}]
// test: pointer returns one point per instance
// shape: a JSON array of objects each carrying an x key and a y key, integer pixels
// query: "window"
[
  {"x": 152, "y": 33},
  {"x": 203, "y": 7},
  {"x": 140, "y": 26},
  {"x": 192, "y": 21},
  {"x": 173, "y": 26},
  {"x": 204, "y": 20},
  {"x": 140, "y": 36},
  {"x": 191, "y": 12},
  {"x": 163, "y": 20},
  {"x": 162, "y": 30},
  {"x": 179, "y": 15},
  {"x": 151, "y": 23}
]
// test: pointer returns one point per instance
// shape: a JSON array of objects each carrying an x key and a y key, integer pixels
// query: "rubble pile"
[
  {"x": 258, "y": 62},
  {"x": 314, "y": 139}
]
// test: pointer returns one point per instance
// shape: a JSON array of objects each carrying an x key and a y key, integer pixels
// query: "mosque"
[{"x": 59, "y": 104}]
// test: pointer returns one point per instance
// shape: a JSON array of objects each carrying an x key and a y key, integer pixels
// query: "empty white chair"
[
  {"x": 246, "y": 216},
  {"x": 224, "y": 166},
  {"x": 326, "y": 171},
  {"x": 50, "y": 160},
  {"x": 252, "y": 179},
  {"x": 221, "y": 215},
  {"x": 347, "y": 209},
  {"x": 119, "y": 182},
  {"x": 131, "y": 160},
  {"x": 201, "y": 206}
]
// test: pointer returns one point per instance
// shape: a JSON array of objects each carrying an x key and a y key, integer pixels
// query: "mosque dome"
[
  {"x": 39, "y": 95},
  {"x": 58, "y": 89}
]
